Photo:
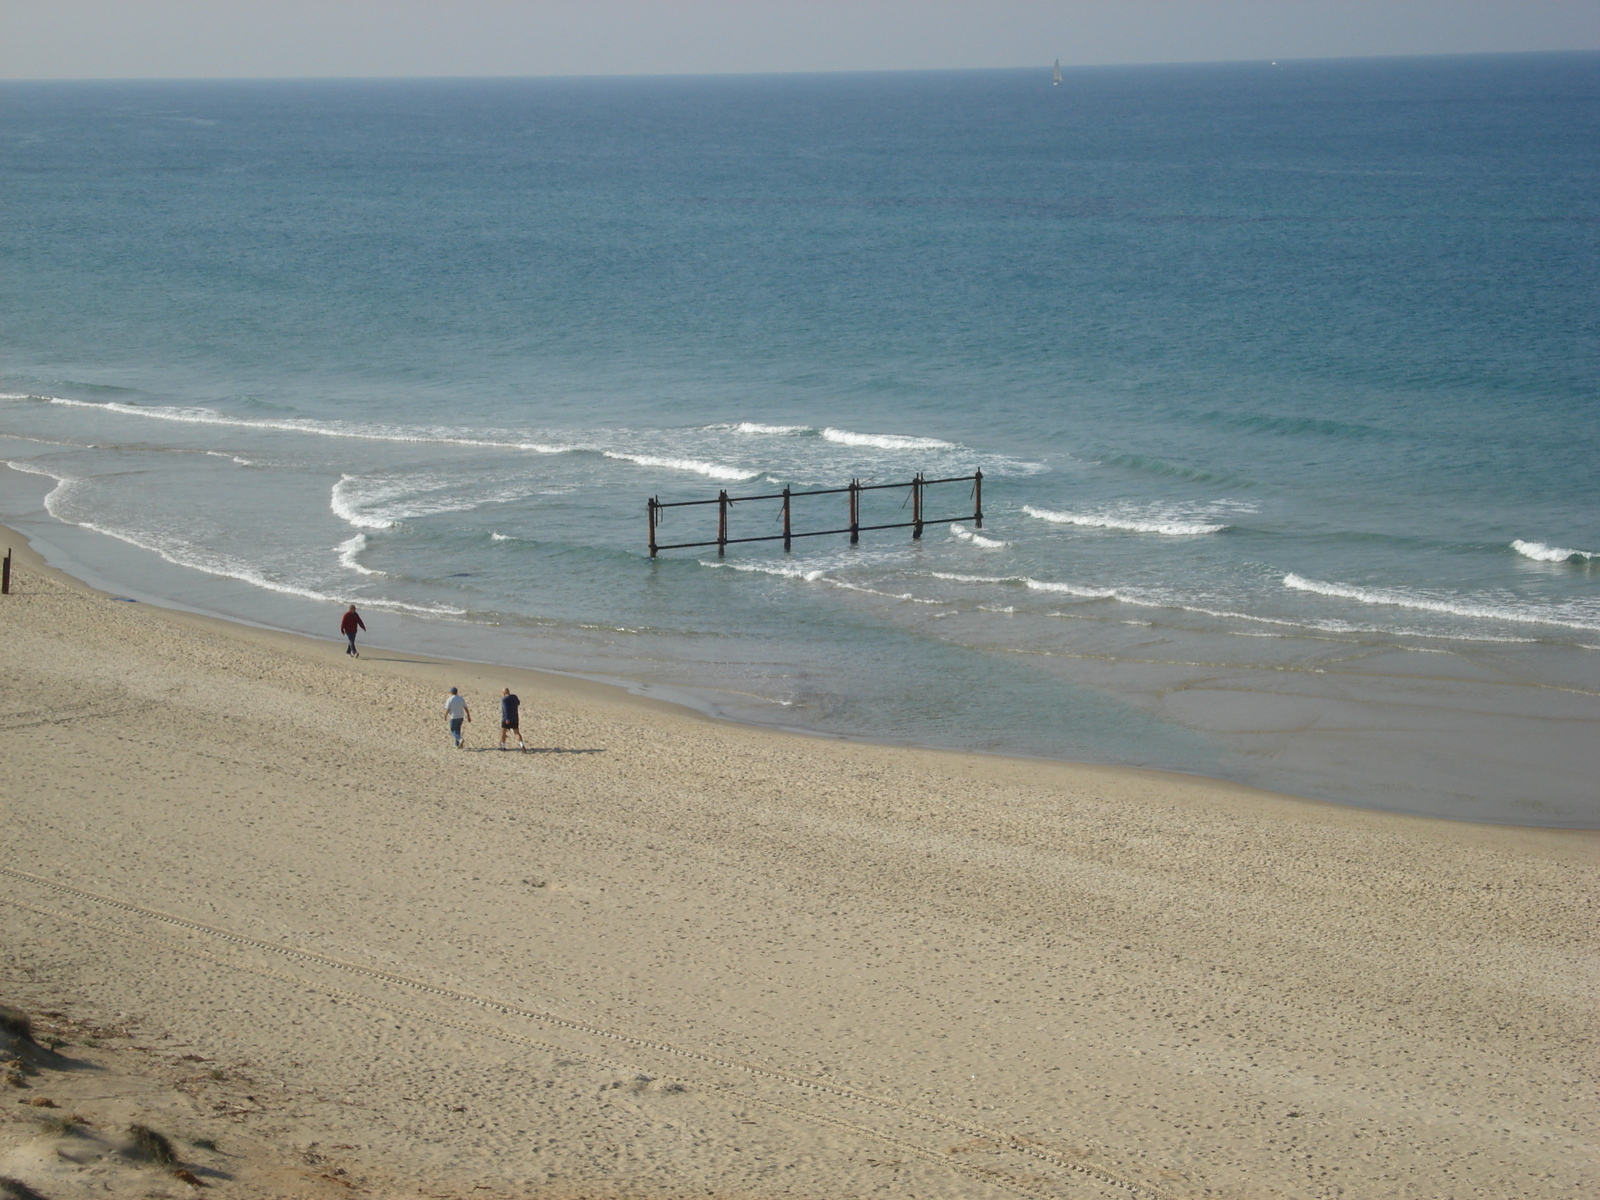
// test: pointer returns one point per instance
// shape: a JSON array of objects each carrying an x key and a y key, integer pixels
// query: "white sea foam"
[
  {"x": 333, "y": 429},
  {"x": 1036, "y": 585},
  {"x": 1173, "y": 603},
  {"x": 39, "y": 441},
  {"x": 28, "y": 468},
  {"x": 348, "y": 550},
  {"x": 347, "y": 508},
  {"x": 977, "y": 539},
  {"x": 698, "y": 466},
  {"x": 677, "y": 450},
  {"x": 1130, "y": 524},
  {"x": 1072, "y": 589},
  {"x": 1177, "y": 604},
  {"x": 906, "y": 597},
  {"x": 1530, "y": 615},
  {"x": 884, "y": 441},
  {"x": 758, "y": 427},
  {"x": 810, "y": 575},
  {"x": 1540, "y": 552},
  {"x": 381, "y": 502},
  {"x": 957, "y": 577},
  {"x": 500, "y": 537},
  {"x": 194, "y": 558}
]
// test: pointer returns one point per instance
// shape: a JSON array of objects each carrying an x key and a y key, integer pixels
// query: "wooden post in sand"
[
  {"x": 916, "y": 508},
  {"x": 855, "y": 511},
  {"x": 5, "y": 574},
  {"x": 787, "y": 536},
  {"x": 650, "y": 507},
  {"x": 977, "y": 499},
  {"x": 722, "y": 523}
]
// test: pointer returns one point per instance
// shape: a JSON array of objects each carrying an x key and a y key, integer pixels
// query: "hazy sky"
[{"x": 79, "y": 39}]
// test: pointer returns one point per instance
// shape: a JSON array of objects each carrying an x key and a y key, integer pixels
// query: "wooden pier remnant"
[{"x": 724, "y": 502}]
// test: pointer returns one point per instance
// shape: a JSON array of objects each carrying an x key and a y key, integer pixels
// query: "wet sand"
[{"x": 662, "y": 955}]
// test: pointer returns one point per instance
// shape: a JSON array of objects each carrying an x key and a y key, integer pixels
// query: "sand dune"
[{"x": 662, "y": 956}]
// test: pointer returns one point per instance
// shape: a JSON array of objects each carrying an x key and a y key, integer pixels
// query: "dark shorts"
[{"x": 510, "y": 725}]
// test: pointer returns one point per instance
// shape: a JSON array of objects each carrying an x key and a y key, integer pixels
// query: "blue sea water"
[{"x": 1283, "y": 380}]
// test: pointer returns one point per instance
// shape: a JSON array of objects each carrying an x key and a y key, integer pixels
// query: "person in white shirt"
[{"x": 456, "y": 711}]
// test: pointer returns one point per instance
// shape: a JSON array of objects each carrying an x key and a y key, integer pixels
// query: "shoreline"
[
  {"x": 620, "y": 693},
  {"x": 663, "y": 955}
]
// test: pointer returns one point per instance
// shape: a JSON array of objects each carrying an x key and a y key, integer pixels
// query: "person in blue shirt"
[{"x": 509, "y": 721}]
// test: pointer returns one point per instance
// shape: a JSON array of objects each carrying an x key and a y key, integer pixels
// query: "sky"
[{"x": 117, "y": 39}]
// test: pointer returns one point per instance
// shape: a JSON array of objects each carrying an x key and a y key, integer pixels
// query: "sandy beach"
[{"x": 664, "y": 956}]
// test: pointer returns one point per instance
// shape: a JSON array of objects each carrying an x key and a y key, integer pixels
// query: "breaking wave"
[
  {"x": 394, "y": 433},
  {"x": 1032, "y": 584},
  {"x": 884, "y": 441},
  {"x": 709, "y": 469},
  {"x": 184, "y": 554},
  {"x": 332, "y": 429},
  {"x": 1177, "y": 604},
  {"x": 1131, "y": 524},
  {"x": 977, "y": 539},
  {"x": 1539, "y": 552},
  {"x": 348, "y": 552},
  {"x": 1532, "y": 615},
  {"x": 368, "y": 503},
  {"x": 758, "y": 427},
  {"x": 810, "y": 575}
]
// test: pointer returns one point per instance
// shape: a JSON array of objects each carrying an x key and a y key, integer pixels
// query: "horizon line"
[{"x": 1040, "y": 66}]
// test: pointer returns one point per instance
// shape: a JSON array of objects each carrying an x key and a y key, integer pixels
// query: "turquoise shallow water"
[{"x": 1282, "y": 380}]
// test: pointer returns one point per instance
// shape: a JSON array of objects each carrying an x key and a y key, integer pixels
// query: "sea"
[{"x": 1281, "y": 378}]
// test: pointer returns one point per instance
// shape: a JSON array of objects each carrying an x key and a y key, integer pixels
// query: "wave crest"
[
  {"x": 809, "y": 575},
  {"x": 1540, "y": 552},
  {"x": 977, "y": 539},
  {"x": 332, "y": 429},
  {"x": 1476, "y": 610},
  {"x": 700, "y": 467},
  {"x": 1131, "y": 524},
  {"x": 884, "y": 441},
  {"x": 348, "y": 551},
  {"x": 183, "y": 554},
  {"x": 758, "y": 427}
]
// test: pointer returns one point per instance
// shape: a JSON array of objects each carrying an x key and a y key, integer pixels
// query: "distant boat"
[{"x": 1055, "y": 76}]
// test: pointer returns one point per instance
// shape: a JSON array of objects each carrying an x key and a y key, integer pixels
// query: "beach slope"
[{"x": 663, "y": 956}]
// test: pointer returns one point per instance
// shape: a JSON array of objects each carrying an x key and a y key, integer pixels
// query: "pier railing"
[{"x": 724, "y": 502}]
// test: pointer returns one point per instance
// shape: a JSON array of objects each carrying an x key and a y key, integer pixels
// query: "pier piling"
[{"x": 654, "y": 513}]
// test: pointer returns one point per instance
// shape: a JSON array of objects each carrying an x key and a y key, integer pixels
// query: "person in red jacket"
[{"x": 352, "y": 621}]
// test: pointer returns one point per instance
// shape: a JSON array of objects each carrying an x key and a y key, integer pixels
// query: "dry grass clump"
[
  {"x": 15, "y": 1023},
  {"x": 61, "y": 1125},
  {"x": 152, "y": 1145}
]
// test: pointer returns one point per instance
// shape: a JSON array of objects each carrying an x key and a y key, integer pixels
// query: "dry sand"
[{"x": 663, "y": 956}]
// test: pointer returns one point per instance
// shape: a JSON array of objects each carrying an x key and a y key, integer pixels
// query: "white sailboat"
[{"x": 1055, "y": 78}]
